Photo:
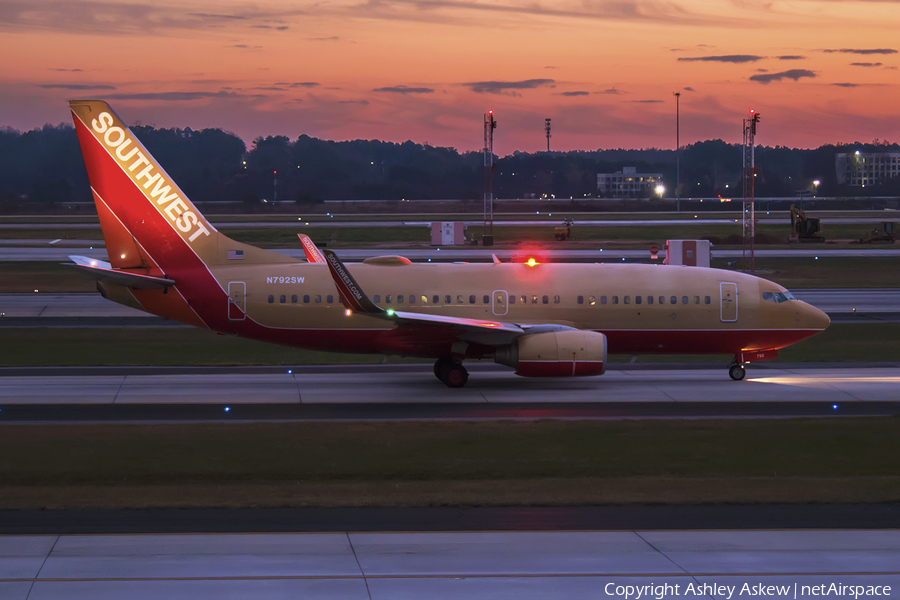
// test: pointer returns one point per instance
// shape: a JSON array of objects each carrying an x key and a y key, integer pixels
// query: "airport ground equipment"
[
  {"x": 803, "y": 228},
  {"x": 886, "y": 233},
  {"x": 689, "y": 253},
  {"x": 565, "y": 232}
]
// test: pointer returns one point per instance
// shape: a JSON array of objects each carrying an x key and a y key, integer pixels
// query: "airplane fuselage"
[{"x": 640, "y": 308}]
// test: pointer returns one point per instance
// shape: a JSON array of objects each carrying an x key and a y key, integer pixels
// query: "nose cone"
[{"x": 814, "y": 318}]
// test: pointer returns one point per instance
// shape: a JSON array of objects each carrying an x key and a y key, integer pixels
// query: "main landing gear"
[
  {"x": 451, "y": 372},
  {"x": 737, "y": 371}
]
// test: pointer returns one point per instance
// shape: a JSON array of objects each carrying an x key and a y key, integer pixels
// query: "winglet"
[
  {"x": 312, "y": 252},
  {"x": 496, "y": 260},
  {"x": 351, "y": 294}
]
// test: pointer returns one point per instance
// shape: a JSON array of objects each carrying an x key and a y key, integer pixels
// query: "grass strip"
[{"x": 499, "y": 463}]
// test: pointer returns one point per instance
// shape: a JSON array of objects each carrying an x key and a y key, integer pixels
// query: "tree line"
[{"x": 44, "y": 167}]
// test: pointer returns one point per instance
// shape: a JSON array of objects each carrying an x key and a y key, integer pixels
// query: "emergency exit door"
[
  {"x": 501, "y": 302},
  {"x": 237, "y": 300},
  {"x": 728, "y": 302}
]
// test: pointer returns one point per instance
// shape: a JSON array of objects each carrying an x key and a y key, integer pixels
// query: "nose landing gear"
[
  {"x": 451, "y": 372},
  {"x": 737, "y": 372}
]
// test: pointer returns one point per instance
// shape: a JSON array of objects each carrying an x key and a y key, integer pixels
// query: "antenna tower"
[
  {"x": 487, "y": 237},
  {"x": 749, "y": 183},
  {"x": 547, "y": 130}
]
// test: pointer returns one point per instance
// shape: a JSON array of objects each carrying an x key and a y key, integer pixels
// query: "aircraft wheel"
[
  {"x": 737, "y": 372},
  {"x": 456, "y": 376},
  {"x": 440, "y": 367}
]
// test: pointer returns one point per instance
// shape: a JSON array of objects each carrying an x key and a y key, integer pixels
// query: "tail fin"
[
  {"x": 147, "y": 221},
  {"x": 312, "y": 252}
]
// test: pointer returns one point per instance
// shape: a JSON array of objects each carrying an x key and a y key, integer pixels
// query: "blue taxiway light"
[
  {"x": 834, "y": 406},
  {"x": 227, "y": 409},
  {"x": 290, "y": 372}
]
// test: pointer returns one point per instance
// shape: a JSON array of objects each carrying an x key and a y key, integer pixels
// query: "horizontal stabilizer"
[{"x": 103, "y": 271}]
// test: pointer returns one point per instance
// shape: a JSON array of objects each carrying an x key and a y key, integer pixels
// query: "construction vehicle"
[
  {"x": 884, "y": 234},
  {"x": 565, "y": 232},
  {"x": 803, "y": 228}
]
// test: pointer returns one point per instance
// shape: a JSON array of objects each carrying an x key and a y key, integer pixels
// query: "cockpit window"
[{"x": 777, "y": 297}]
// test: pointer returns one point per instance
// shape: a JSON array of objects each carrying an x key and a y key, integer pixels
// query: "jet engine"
[{"x": 570, "y": 353}]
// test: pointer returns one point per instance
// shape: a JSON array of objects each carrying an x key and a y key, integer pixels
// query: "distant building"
[
  {"x": 627, "y": 183},
  {"x": 860, "y": 169}
]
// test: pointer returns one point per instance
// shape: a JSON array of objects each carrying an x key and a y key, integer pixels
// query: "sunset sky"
[{"x": 426, "y": 70}]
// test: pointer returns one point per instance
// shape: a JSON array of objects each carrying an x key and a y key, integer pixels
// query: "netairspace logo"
[{"x": 727, "y": 592}]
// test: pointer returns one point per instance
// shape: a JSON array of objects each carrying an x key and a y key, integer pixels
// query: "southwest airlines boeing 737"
[{"x": 544, "y": 320}]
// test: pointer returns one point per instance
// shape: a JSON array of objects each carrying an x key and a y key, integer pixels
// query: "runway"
[
  {"x": 450, "y": 254},
  {"x": 404, "y": 392},
  {"x": 472, "y": 565}
]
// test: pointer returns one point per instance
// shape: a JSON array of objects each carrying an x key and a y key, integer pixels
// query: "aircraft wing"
[
  {"x": 103, "y": 271},
  {"x": 479, "y": 331}
]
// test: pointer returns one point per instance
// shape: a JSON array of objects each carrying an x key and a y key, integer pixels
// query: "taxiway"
[{"x": 471, "y": 565}]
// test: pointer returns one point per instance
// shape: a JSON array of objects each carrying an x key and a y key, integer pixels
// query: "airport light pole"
[
  {"x": 487, "y": 235},
  {"x": 547, "y": 130},
  {"x": 677, "y": 151}
]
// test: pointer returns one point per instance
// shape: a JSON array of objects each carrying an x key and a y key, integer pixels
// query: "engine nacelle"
[{"x": 570, "y": 353}]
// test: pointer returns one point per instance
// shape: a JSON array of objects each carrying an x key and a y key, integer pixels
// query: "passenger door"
[
  {"x": 237, "y": 300},
  {"x": 728, "y": 302}
]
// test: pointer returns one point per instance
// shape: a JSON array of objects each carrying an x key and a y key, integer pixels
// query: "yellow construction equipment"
[
  {"x": 803, "y": 228},
  {"x": 565, "y": 232},
  {"x": 883, "y": 234}
]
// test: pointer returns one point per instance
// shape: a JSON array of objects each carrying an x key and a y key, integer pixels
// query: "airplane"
[{"x": 542, "y": 319}]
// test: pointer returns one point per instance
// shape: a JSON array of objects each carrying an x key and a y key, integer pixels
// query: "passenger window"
[
  {"x": 706, "y": 300},
  {"x": 459, "y": 299},
  {"x": 673, "y": 300},
  {"x": 512, "y": 299},
  {"x": 580, "y": 300},
  {"x": 649, "y": 299},
  {"x": 545, "y": 299},
  {"x": 534, "y": 299},
  {"x": 424, "y": 299},
  {"x": 696, "y": 299},
  {"x": 435, "y": 299},
  {"x": 615, "y": 299},
  {"x": 637, "y": 299},
  {"x": 387, "y": 299},
  {"x": 602, "y": 299},
  {"x": 412, "y": 299},
  {"x": 556, "y": 300},
  {"x": 318, "y": 298},
  {"x": 684, "y": 299},
  {"x": 662, "y": 299},
  {"x": 330, "y": 299},
  {"x": 293, "y": 299},
  {"x": 306, "y": 299},
  {"x": 486, "y": 299},
  {"x": 472, "y": 299},
  {"x": 271, "y": 299},
  {"x": 592, "y": 300},
  {"x": 399, "y": 298},
  {"x": 377, "y": 298},
  {"x": 448, "y": 299},
  {"x": 627, "y": 299},
  {"x": 282, "y": 299},
  {"x": 524, "y": 299}
]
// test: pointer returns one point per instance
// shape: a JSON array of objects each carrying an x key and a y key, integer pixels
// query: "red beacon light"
[{"x": 531, "y": 262}]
